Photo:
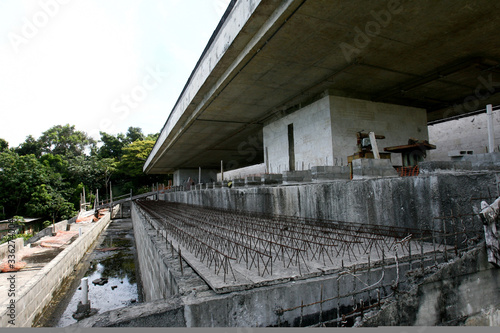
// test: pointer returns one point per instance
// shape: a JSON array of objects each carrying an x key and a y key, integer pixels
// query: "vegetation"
[{"x": 44, "y": 177}]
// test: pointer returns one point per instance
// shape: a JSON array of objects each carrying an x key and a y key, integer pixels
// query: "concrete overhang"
[{"x": 267, "y": 57}]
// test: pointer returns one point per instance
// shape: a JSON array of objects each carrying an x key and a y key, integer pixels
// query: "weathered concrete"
[
  {"x": 329, "y": 172},
  {"x": 366, "y": 168},
  {"x": 261, "y": 306},
  {"x": 297, "y": 176},
  {"x": 467, "y": 134},
  {"x": 405, "y": 202},
  {"x": 31, "y": 297},
  {"x": 5, "y": 250},
  {"x": 160, "y": 272},
  {"x": 467, "y": 287}
]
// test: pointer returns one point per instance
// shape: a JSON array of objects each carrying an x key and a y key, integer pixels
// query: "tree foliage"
[{"x": 44, "y": 177}]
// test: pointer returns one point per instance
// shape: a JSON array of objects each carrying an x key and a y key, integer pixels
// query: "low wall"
[
  {"x": 31, "y": 300},
  {"x": 4, "y": 248},
  {"x": 401, "y": 201},
  {"x": 59, "y": 226}
]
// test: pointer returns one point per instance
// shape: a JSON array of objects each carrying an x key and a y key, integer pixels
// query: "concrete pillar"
[
  {"x": 491, "y": 131},
  {"x": 85, "y": 290}
]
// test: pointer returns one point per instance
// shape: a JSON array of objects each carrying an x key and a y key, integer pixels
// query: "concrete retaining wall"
[
  {"x": 256, "y": 307},
  {"x": 37, "y": 293},
  {"x": 157, "y": 279},
  {"x": 464, "y": 292},
  {"x": 405, "y": 202}
]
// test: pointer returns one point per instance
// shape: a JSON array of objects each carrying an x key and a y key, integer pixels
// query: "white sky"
[{"x": 88, "y": 63}]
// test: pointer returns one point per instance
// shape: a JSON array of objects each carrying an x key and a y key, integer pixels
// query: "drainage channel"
[{"x": 113, "y": 280}]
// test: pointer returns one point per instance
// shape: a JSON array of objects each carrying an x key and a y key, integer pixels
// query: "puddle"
[{"x": 116, "y": 264}]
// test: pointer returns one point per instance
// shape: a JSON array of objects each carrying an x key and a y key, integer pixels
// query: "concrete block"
[
  {"x": 253, "y": 181},
  {"x": 444, "y": 166},
  {"x": 330, "y": 172},
  {"x": 239, "y": 182},
  {"x": 372, "y": 168},
  {"x": 297, "y": 176},
  {"x": 272, "y": 178}
]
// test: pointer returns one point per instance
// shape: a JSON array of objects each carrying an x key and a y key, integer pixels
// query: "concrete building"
[
  {"x": 330, "y": 69},
  {"x": 293, "y": 90},
  {"x": 463, "y": 136}
]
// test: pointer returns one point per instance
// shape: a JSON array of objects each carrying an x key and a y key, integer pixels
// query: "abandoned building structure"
[
  {"x": 315, "y": 180},
  {"x": 314, "y": 195}
]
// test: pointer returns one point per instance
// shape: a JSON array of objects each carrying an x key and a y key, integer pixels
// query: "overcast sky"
[{"x": 101, "y": 65}]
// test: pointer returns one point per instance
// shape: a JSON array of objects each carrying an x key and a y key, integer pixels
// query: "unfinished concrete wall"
[
  {"x": 465, "y": 291},
  {"x": 469, "y": 133},
  {"x": 259, "y": 306},
  {"x": 156, "y": 277},
  {"x": 312, "y": 138},
  {"x": 407, "y": 201},
  {"x": 397, "y": 123}
]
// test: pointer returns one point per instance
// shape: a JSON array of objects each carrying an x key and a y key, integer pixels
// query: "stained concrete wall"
[
  {"x": 406, "y": 201},
  {"x": 464, "y": 292},
  {"x": 397, "y": 123},
  {"x": 4, "y": 248},
  {"x": 469, "y": 133},
  {"x": 258, "y": 306},
  {"x": 312, "y": 136},
  {"x": 32, "y": 298},
  {"x": 157, "y": 278}
]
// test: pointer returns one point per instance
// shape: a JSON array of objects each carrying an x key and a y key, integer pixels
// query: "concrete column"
[
  {"x": 85, "y": 290},
  {"x": 491, "y": 131}
]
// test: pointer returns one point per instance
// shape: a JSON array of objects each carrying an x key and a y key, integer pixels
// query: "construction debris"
[{"x": 489, "y": 215}]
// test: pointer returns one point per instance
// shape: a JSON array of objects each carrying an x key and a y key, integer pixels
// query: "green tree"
[
  {"x": 134, "y": 157},
  {"x": 134, "y": 134},
  {"x": 30, "y": 146},
  {"x": 4, "y": 145},
  {"x": 112, "y": 145},
  {"x": 66, "y": 140}
]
